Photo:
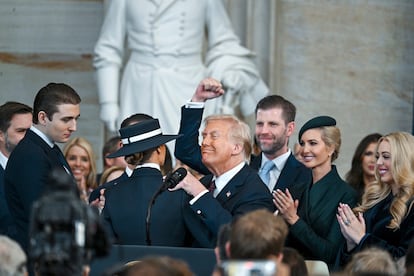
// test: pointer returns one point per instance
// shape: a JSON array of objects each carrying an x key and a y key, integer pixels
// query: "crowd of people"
[{"x": 259, "y": 205}]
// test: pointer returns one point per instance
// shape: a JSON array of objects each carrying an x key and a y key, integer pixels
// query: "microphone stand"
[{"x": 148, "y": 217}]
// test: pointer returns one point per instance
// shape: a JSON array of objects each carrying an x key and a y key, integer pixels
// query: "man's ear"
[
  {"x": 227, "y": 246},
  {"x": 109, "y": 162},
  {"x": 2, "y": 137},
  {"x": 280, "y": 257},
  {"x": 290, "y": 128},
  {"x": 42, "y": 117},
  {"x": 237, "y": 148}
]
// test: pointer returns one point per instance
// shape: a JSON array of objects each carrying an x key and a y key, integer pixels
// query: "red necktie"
[{"x": 212, "y": 186}]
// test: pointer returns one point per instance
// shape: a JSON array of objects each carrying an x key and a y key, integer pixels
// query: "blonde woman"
[
  {"x": 385, "y": 217},
  {"x": 81, "y": 159},
  {"x": 313, "y": 229}
]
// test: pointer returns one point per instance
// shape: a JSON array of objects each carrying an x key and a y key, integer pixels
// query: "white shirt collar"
[
  {"x": 43, "y": 136},
  {"x": 128, "y": 171},
  {"x": 149, "y": 165},
  {"x": 223, "y": 179},
  {"x": 3, "y": 160}
]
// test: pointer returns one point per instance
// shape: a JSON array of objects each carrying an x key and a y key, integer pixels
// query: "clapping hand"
[
  {"x": 352, "y": 226},
  {"x": 287, "y": 206}
]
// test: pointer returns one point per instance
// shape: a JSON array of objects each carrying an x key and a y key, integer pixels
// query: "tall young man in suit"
[
  {"x": 275, "y": 123},
  {"x": 55, "y": 114},
  {"x": 15, "y": 119},
  {"x": 232, "y": 188}
]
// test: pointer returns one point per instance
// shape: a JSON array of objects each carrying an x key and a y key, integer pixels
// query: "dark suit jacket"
[
  {"x": 377, "y": 234},
  {"x": 26, "y": 175},
  {"x": 126, "y": 207},
  {"x": 243, "y": 193},
  {"x": 316, "y": 235},
  {"x": 294, "y": 174},
  {"x": 7, "y": 226}
]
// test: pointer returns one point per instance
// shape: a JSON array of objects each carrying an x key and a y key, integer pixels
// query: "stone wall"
[{"x": 352, "y": 59}]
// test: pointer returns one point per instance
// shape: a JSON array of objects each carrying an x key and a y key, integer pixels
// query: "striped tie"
[{"x": 212, "y": 186}]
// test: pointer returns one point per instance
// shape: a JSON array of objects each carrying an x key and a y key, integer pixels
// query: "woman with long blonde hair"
[
  {"x": 81, "y": 159},
  {"x": 385, "y": 217}
]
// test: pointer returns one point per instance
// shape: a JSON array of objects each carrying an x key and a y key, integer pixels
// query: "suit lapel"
[
  {"x": 304, "y": 207},
  {"x": 288, "y": 173},
  {"x": 52, "y": 155},
  {"x": 62, "y": 159},
  {"x": 232, "y": 187}
]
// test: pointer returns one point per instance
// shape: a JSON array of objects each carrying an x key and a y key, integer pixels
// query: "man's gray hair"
[{"x": 12, "y": 258}]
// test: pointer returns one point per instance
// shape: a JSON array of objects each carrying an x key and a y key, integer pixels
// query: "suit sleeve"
[
  {"x": 187, "y": 149},
  {"x": 324, "y": 248},
  {"x": 25, "y": 183},
  {"x": 214, "y": 212}
]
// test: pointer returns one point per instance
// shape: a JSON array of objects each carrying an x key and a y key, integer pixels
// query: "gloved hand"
[
  {"x": 107, "y": 84},
  {"x": 109, "y": 114},
  {"x": 231, "y": 99}
]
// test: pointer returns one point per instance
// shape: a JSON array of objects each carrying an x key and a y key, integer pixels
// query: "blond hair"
[
  {"x": 86, "y": 145},
  {"x": 239, "y": 132},
  {"x": 372, "y": 261},
  {"x": 402, "y": 170},
  {"x": 331, "y": 135}
]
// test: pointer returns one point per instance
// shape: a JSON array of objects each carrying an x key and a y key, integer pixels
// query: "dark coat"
[
  {"x": 126, "y": 205},
  {"x": 245, "y": 192},
  {"x": 97, "y": 192},
  {"x": 377, "y": 234},
  {"x": 7, "y": 226},
  {"x": 317, "y": 235},
  {"x": 294, "y": 174},
  {"x": 26, "y": 175}
]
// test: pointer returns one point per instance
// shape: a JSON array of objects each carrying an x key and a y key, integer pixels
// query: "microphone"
[
  {"x": 171, "y": 180},
  {"x": 174, "y": 178}
]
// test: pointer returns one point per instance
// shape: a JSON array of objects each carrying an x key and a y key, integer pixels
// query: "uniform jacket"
[
  {"x": 316, "y": 235},
  {"x": 26, "y": 176},
  {"x": 126, "y": 206},
  {"x": 97, "y": 192},
  {"x": 165, "y": 38}
]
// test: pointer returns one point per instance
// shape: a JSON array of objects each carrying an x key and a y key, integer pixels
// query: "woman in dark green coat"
[{"x": 313, "y": 228}]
